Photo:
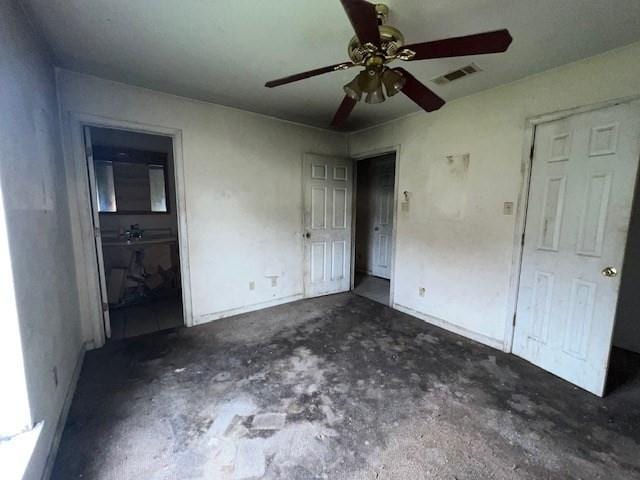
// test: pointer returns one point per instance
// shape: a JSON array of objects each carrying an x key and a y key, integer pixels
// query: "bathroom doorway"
[{"x": 135, "y": 219}]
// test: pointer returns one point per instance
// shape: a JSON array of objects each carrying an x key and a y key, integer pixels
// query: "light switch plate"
[{"x": 508, "y": 208}]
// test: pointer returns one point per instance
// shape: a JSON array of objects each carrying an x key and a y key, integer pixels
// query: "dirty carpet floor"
[{"x": 338, "y": 387}]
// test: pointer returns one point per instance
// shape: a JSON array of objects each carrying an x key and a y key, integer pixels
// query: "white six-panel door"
[
  {"x": 383, "y": 222},
  {"x": 327, "y": 190},
  {"x": 582, "y": 181}
]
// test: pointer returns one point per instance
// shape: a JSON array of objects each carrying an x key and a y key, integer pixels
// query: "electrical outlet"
[
  {"x": 421, "y": 291},
  {"x": 252, "y": 285}
]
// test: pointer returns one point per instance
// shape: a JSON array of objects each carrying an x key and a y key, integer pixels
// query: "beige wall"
[
  {"x": 243, "y": 191},
  {"x": 38, "y": 226},
  {"x": 462, "y": 254}
]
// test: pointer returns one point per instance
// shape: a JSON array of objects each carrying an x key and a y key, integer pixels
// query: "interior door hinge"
[
  {"x": 522, "y": 240},
  {"x": 88, "y": 150},
  {"x": 514, "y": 320},
  {"x": 105, "y": 306},
  {"x": 96, "y": 232},
  {"x": 533, "y": 148}
]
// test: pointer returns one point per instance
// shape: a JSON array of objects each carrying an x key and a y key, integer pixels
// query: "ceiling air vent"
[{"x": 457, "y": 74}]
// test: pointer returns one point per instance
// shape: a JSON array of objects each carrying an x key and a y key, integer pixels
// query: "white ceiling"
[{"x": 224, "y": 51}]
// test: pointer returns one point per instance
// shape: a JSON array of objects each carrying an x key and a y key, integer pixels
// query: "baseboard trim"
[
  {"x": 438, "y": 322},
  {"x": 210, "y": 317},
  {"x": 62, "y": 418}
]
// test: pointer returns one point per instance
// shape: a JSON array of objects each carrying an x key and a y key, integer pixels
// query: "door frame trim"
[
  {"x": 531, "y": 123},
  {"x": 75, "y": 162},
  {"x": 376, "y": 152}
]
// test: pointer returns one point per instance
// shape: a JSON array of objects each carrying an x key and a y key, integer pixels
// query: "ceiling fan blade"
[
  {"x": 478, "y": 44},
  {"x": 364, "y": 20},
  {"x": 310, "y": 73},
  {"x": 344, "y": 110},
  {"x": 420, "y": 94}
]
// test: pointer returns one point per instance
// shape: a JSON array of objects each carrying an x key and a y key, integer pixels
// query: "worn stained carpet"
[{"x": 338, "y": 387}]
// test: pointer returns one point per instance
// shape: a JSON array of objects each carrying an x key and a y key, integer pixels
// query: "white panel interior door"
[
  {"x": 96, "y": 230},
  {"x": 383, "y": 222},
  {"x": 582, "y": 181},
  {"x": 327, "y": 191}
]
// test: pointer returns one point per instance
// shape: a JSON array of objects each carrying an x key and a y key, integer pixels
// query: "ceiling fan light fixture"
[
  {"x": 377, "y": 96},
  {"x": 353, "y": 90},
  {"x": 369, "y": 81},
  {"x": 393, "y": 82}
]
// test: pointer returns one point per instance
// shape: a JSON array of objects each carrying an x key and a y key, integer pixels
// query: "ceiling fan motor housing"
[{"x": 391, "y": 40}]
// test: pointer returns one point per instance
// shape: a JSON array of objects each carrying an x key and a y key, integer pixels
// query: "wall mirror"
[{"x": 130, "y": 181}]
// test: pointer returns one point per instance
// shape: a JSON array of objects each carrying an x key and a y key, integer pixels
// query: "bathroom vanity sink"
[{"x": 145, "y": 240}]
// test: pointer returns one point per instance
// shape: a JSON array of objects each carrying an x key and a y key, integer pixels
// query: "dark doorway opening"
[
  {"x": 134, "y": 211},
  {"x": 374, "y": 227}
]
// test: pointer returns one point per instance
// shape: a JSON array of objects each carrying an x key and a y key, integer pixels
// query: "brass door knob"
[{"x": 610, "y": 272}]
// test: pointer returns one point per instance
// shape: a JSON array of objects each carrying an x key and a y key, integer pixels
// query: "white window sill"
[{"x": 15, "y": 453}]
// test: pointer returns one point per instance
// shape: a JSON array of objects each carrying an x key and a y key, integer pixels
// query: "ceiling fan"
[{"x": 377, "y": 44}]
